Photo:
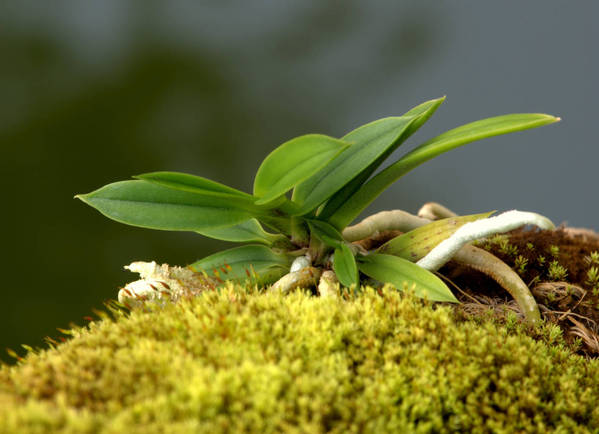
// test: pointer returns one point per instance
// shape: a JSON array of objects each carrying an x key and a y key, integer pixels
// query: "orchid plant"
[{"x": 305, "y": 194}]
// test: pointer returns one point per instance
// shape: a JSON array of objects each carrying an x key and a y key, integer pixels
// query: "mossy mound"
[{"x": 238, "y": 362}]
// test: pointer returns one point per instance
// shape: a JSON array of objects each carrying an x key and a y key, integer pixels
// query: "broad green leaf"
[
  {"x": 420, "y": 115},
  {"x": 247, "y": 232},
  {"x": 417, "y": 243},
  {"x": 403, "y": 274},
  {"x": 243, "y": 263},
  {"x": 371, "y": 141},
  {"x": 191, "y": 183},
  {"x": 344, "y": 265},
  {"x": 293, "y": 162},
  {"x": 326, "y": 232},
  {"x": 149, "y": 205},
  {"x": 430, "y": 149}
]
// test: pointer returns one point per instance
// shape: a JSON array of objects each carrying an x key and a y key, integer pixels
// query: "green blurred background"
[{"x": 94, "y": 92}]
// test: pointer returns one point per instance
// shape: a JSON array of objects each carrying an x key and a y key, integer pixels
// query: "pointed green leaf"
[
  {"x": 371, "y": 141},
  {"x": 326, "y": 232},
  {"x": 243, "y": 263},
  {"x": 420, "y": 115},
  {"x": 344, "y": 265},
  {"x": 149, "y": 205},
  {"x": 417, "y": 243},
  {"x": 293, "y": 162},
  {"x": 449, "y": 140},
  {"x": 402, "y": 274},
  {"x": 247, "y": 232},
  {"x": 191, "y": 183}
]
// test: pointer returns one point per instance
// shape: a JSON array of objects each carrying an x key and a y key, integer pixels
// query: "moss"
[{"x": 238, "y": 361}]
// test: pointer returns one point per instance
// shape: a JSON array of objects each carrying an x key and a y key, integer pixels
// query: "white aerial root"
[
  {"x": 505, "y": 222},
  {"x": 455, "y": 247},
  {"x": 161, "y": 283}
]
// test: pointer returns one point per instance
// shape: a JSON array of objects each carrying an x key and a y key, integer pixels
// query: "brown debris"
[
  {"x": 589, "y": 337},
  {"x": 570, "y": 303}
]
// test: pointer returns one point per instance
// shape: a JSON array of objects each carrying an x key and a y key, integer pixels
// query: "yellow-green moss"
[{"x": 267, "y": 363}]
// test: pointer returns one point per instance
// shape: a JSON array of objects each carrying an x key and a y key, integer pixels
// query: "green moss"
[{"x": 264, "y": 363}]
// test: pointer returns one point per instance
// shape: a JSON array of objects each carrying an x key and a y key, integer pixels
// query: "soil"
[{"x": 557, "y": 265}]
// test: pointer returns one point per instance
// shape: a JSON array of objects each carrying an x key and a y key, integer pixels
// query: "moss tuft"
[{"x": 238, "y": 361}]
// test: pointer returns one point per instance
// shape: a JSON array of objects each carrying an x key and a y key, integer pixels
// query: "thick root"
[
  {"x": 499, "y": 271},
  {"x": 305, "y": 278},
  {"x": 383, "y": 221},
  {"x": 328, "y": 286},
  {"x": 435, "y": 211},
  {"x": 505, "y": 222}
]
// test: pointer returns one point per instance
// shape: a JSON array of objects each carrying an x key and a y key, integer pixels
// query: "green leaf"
[
  {"x": 422, "y": 113},
  {"x": 191, "y": 183},
  {"x": 325, "y": 232},
  {"x": 149, "y": 205},
  {"x": 344, "y": 265},
  {"x": 417, "y": 243},
  {"x": 243, "y": 263},
  {"x": 247, "y": 232},
  {"x": 293, "y": 162},
  {"x": 403, "y": 274},
  {"x": 368, "y": 134},
  {"x": 371, "y": 141},
  {"x": 430, "y": 149}
]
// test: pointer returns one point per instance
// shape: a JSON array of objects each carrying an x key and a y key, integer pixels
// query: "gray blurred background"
[{"x": 94, "y": 92}]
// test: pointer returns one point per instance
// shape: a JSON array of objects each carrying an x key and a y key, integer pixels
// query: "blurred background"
[{"x": 94, "y": 92}]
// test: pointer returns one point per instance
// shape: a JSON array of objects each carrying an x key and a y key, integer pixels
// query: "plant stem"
[
  {"x": 279, "y": 224},
  {"x": 299, "y": 233},
  {"x": 317, "y": 249}
]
